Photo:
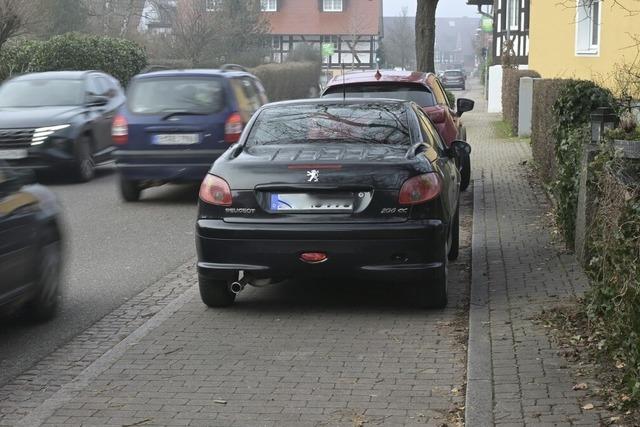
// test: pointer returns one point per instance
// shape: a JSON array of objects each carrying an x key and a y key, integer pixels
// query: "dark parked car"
[
  {"x": 30, "y": 244},
  {"x": 176, "y": 123},
  {"x": 422, "y": 88},
  {"x": 454, "y": 79},
  {"x": 325, "y": 188},
  {"x": 59, "y": 119}
]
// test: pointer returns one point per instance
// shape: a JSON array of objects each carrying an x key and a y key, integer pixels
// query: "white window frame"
[
  {"x": 269, "y": 5},
  {"x": 586, "y": 21},
  {"x": 213, "y": 5},
  {"x": 513, "y": 14},
  {"x": 332, "y": 5}
]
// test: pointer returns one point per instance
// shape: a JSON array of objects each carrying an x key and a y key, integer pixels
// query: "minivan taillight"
[
  {"x": 215, "y": 190},
  {"x": 120, "y": 130},
  {"x": 233, "y": 128},
  {"x": 420, "y": 189}
]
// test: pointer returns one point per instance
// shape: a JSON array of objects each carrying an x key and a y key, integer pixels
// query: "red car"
[{"x": 422, "y": 88}]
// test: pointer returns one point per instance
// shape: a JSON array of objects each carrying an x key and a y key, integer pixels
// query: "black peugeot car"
[
  {"x": 59, "y": 119},
  {"x": 30, "y": 244},
  {"x": 356, "y": 188}
]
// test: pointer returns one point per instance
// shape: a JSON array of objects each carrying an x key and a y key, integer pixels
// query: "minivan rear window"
[
  {"x": 406, "y": 92},
  {"x": 162, "y": 95}
]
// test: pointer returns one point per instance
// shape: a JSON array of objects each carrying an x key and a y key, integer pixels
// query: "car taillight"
[
  {"x": 215, "y": 190},
  {"x": 420, "y": 189},
  {"x": 120, "y": 130},
  {"x": 233, "y": 128}
]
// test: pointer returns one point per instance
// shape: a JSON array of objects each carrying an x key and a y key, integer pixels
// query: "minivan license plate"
[
  {"x": 176, "y": 139},
  {"x": 13, "y": 154}
]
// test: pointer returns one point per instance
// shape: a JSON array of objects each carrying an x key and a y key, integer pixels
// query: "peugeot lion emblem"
[{"x": 313, "y": 175}]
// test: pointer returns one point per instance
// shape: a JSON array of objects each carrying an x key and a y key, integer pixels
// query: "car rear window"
[
  {"x": 331, "y": 123},
  {"x": 411, "y": 92},
  {"x": 42, "y": 93},
  {"x": 161, "y": 95}
]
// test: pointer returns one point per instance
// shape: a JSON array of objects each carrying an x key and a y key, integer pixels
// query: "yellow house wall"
[{"x": 552, "y": 50}]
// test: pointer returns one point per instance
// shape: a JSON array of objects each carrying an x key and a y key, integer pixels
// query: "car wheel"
[
  {"x": 455, "y": 236},
  {"x": 45, "y": 304},
  {"x": 129, "y": 190},
  {"x": 433, "y": 294},
  {"x": 215, "y": 293},
  {"x": 465, "y": 172},
  {"x": 85, "y": 165}
]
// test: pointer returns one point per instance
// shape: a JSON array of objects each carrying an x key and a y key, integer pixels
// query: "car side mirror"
[
  {"x": 97, "y": 100},
  {"x": 463, "y": 105},
  {"x": 458, "y": 149}
]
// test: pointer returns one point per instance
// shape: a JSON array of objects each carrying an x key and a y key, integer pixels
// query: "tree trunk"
[{"x": 426, "y": 34}]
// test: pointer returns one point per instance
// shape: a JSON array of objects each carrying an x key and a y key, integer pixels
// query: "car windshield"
[
  {"x": 41, "y": 93},
  {"x": 416, "y": 93},
  {"x": 331, "y": 123},
  {"x": 176, "y": 95}
]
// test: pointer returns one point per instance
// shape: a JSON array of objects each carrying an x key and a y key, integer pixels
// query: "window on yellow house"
[{"x": 588, "y": 18}]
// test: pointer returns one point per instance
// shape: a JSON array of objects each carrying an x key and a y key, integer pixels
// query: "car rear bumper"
[
  {"x": 412, "y": 250},
  {"x": 454, "y": 85},
  {"x": 165, "y": 165}
]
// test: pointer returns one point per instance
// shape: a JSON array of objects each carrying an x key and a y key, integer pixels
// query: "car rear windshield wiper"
[{"x": 183, "y": 113}]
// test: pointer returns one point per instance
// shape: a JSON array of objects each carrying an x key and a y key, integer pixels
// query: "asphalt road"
[{"x": 114, "y": 250}]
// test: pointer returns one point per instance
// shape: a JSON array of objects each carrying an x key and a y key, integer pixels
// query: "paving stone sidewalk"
[{"x": 516, "y": 376}]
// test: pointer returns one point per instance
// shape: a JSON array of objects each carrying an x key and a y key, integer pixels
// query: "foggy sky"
[{"x": 446, "y": 8}]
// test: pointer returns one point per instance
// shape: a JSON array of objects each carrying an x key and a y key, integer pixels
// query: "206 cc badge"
[{"x": 313, "y": 175}]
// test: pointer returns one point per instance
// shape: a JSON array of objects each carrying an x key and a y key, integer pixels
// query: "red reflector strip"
[
  {"x": 313, "y": 257},
  {"x": 315, "y": 166}
]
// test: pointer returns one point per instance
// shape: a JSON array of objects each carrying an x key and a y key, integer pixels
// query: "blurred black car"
[
  {"x": 59, "y": 119},
  {"x": 30, "y": 244},
  {"x": 361, "y": 188}
]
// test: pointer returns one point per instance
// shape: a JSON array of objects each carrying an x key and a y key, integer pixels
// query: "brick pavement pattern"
[
  {"x": 524, "y": 271},
  {"x": 296, "y": 354}
]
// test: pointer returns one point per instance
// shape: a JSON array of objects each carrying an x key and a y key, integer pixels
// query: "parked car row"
[{"x": 363, "y": 182}]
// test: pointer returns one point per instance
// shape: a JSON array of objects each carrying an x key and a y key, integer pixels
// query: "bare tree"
[
  {"x": 426, "y": 34},
  {"x": 194, "y": 30},
  {"x": 119, "y": 18},
  {"x": 15, "y": 16},
  {"x": 400, "y": 39}
]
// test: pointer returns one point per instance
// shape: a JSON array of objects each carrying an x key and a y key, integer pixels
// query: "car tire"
[
  {"x": 84, "y": 169},
  {"x": 46, "y": 301},
  {"x": 129, "y": 190},
  {"x": 433, "y": 294},
  {"x": 215, "y": 293},
  {"x": 454, "y": 249}
]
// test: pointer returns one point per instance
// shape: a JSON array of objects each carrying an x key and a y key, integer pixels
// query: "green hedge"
[
  {"x": 511, "y": 95},
  {"x": 119, "y": 57},
  {"x": 289, "y": 80},
  {"x": 571, "y": 131},
  {"x": 614, "y": 243}
]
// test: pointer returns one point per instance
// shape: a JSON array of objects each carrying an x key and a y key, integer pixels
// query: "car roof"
[
  {"x": 389, "y": 76},
  {"x": 196, "y": 72},
  {"x": 61, "y": 75},
  {"x": 337, "y": 101}
]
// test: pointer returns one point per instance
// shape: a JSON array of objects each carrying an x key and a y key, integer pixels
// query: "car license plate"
[
  {"x": 176, "y": 139},
  {"x": 303, "y": 202},
  {"x": 13, "y": 154}
]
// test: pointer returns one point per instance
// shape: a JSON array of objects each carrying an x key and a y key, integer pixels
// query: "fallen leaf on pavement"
[
  {"x": 620, "y": 364},
  {"x": 625, "y": 398},
  {"x": 588, "y": 406},
  {"x": 221, "y": 402},
  {"x": 581, "y": 386}
]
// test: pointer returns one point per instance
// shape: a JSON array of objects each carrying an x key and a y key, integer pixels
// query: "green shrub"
[
  {"x": 289, "y": 80},
  {"x": 119, "y": 57},
  {"x": 511, "y": 95},
  {"x": 451, "y": 98},
  {"x": 614, "y": 269},
  {"x": 571, "y": 131}
]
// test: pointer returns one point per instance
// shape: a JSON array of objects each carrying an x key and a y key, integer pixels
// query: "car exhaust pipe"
[{"x": 237, "y": 287}]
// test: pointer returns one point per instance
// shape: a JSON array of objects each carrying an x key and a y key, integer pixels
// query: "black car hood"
[{"x": 36, "y": 116}]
